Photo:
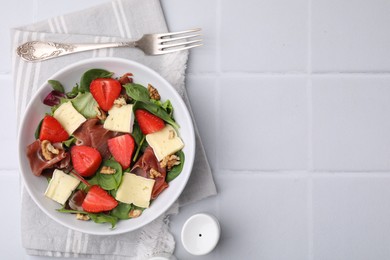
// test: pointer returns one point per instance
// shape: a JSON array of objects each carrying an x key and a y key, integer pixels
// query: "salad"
[{"x": 108, "y": 147}]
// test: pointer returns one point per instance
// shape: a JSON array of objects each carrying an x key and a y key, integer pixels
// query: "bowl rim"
[{"x": 177, "y": 98}]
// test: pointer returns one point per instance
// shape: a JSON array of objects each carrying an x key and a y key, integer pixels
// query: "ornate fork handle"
[{"x": 39, "y": 50}]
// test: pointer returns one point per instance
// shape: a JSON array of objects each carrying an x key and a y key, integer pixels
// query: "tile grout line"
[
  {"x": 310, "y": 227},
  {"x": 308, "y": 73},
  {"x": 218, "y": 80},
  {"x": 306, "y": 173},
  {"x": 310, "y": 217}
]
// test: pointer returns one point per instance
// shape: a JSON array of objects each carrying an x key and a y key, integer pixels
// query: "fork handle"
[{"x": 40, "y": 50}]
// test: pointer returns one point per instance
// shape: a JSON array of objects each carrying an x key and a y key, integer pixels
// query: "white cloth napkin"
[{"x": 113, "y": 21}]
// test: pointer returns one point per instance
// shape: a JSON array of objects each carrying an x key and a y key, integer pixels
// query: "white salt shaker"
[{"x": 200, "y": 234}]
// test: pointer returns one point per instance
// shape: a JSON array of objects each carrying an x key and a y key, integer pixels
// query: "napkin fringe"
[{"x": 156, "y": 239}]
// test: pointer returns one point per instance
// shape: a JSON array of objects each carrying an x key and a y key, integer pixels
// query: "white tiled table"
[{"x": 294, "y": 115}]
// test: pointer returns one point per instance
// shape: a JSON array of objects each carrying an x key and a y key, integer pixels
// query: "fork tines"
[{"x": 177, "y": 41}]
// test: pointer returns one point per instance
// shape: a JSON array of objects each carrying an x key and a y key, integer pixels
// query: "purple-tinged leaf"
[{"x": 53, "y": 98}]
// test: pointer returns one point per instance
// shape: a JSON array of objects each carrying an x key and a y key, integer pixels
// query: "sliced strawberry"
[
  {"x": 122, "y": 148},
  {"x": 86, "y": 160},
  {"x": 148, "y": 122},
  {"x": 52, "y": 130},
  {"x": 98, "y": 200},
  {"x": 105, "y": 91}
]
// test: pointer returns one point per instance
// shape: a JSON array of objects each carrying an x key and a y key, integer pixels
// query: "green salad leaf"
[
  {"x": 176, "y": 170},
  {"x": 137, "y": 92},
  {"x": 96, "y": 217},
  {"x": 141, "y": 146},
  {"x": 85, "y": 104},
  {"x": 69, "y": 142},
  {"x": 167, "y": 105},
  {"x": 122, "y": 210},
  {"x": 156, "y": 110},
  {"x": 139, "y": 139},
  {"x": 141, "y": 95},
  {"x": 110, "y": 181},
  {"x": 74, "y": 92},
  {"x": 137, "y": 133},
  {"x": 56, "y": 85},
  {"x": 92, "y": 181},
  {"x": 64, "y": 210},
  {"x": 90, "y": 75},
  {"x": 104, "y": 218},
  {"x": 38, "y": 129}
]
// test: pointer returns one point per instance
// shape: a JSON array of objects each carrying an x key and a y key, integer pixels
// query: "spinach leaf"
[
  {"x": 69, "y": 142},
  {"x": 92, "y": 181},
  {"x": 38, "y": 130},
  {"x": 74, "y": 92},
  {"x": 97, "y": 218},
  {"x": 139, "y": 139},
  {"x": 156, "y": 110},
  {"x": 56, "y": 85},
  {"x": 167, "y": 105},
  {"x": 82, "y": 186},
  {"x": 85, "y": 104},
  {"x": 139, "y": 148},
  {"x": 90, "y": 75},
  {"x": 176, "y": 170},
  {"x": 141, "y": 95},
  {"x": 122, "y": 210},
  {"x": 104, "y": 218},
  {"x": 110, "y": 181},
  {"x": 112, "y": 193},
  {"x": 137, "y": 134},
  {"x": 137, "y": 92},
  {"x": 64, "y": 210}
]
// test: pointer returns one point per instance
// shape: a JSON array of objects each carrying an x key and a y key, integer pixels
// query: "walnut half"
[
  {"x": 154, "y": 174},
  {"x": 48, "y": 150},
  {"x": 107, "y": 170},
  {"x": 100, "y": 113},
  {"x": 81, "y": 216},
  {"x": 169, "y": 161},
  {"x": 134, "y": 213},
  {"x": 153, "y": 93}
]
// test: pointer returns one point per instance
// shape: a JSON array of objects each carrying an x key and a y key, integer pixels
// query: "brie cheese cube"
[
  {"x": 69, "y": 117},
  {"x": 61, "y": 186},
  {"x": 135, "y": 189},
  {"x": 120, "y": 119},
  {"x": 165, "y": 142}
]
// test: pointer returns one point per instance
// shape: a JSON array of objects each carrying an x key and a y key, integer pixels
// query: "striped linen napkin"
[{"x": 114, "y": 21}]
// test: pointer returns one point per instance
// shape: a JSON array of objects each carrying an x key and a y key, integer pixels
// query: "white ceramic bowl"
[{"x": 70, "y": 75}]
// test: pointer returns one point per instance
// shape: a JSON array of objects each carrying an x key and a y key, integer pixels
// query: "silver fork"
[{"x": 150, "y": 44}]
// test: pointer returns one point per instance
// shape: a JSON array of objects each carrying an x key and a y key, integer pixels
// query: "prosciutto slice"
[
  {"x": 37, "y": 162},
  {"x": 143, "y": 166},
  {"x": 93, "y": 134}
]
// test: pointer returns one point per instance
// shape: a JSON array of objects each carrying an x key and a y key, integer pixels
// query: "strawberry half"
[
  {"x": 148, "y": 122},
  {"x": 105, "y": 91},
  {"x": 52, "y": 130},
  {"x": 86, "y": 160},
  {"x": 98, "y": 200},
  {"x": 122, "y": 148}
]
